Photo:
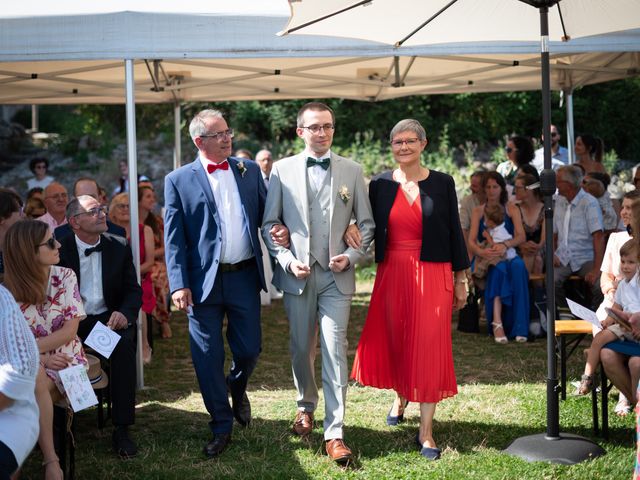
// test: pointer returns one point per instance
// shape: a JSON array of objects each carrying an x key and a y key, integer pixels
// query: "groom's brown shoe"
[
  {"x": 338, "y": 451},
  {"x": 303, "y": 424}
]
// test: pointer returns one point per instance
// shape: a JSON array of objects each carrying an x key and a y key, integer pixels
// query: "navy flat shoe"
[
  {"x": 430, "y": 453},
  {"x": 394, "y": 421}
]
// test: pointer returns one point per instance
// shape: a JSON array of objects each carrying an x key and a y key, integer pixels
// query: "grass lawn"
[{"x": 501, "y": 397}]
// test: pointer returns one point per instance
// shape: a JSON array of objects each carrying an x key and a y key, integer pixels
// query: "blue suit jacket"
[{"x": 192, "y": 227}]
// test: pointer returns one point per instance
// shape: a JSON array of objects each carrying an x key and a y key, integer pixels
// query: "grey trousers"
[
  {"x": 321, "y": 308},
  {"x": 561, "y": 273}
]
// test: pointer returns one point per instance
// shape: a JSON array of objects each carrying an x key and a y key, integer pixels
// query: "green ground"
[{"x": 501, "y": 397}]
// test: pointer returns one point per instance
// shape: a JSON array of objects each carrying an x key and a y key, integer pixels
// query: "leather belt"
[{"x": 234, "y": 267}]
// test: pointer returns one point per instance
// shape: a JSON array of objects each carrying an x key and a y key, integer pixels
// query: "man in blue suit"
[{"x": 214, "y": 209}]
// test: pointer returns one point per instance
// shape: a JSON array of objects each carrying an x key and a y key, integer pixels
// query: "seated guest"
[
  {"x": 495, "y": 232},
  {"x": 19, "y": 362},
  {"x": 111, "y": 295},
  {"x": 596, "y": 183},
  {"x": 159, "y": 279},
  {"x": 55, "y": 199},
  {"x": 519, "y": 151},
  {"x": 119, "y": 210},
  {"x": 578, "y": 236},
  {"x": 50, "y": 302},
  {"x": 589, "y": 153},
  {"x": 39, "y": 167},
  {"x": 88, "y": 186},
  {"x": 36, "y": 192},
  {"x": 10, "y": 213},
  {"x": 531, "y": 207},
  {"x": 34, "y": 208},
  {"x": 559, "y": 154},
  {"x": 123, "y": 181},
  {"x": 627, "y": 299},
  {"x": 243, "y": 153},
  {"x": 506, "y": 296},
  {"x": 469, "y": 202}
]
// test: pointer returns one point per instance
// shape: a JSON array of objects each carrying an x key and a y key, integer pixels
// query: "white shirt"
[
  {"x": 233, "y": 225},
  {"x": 91, "y": 279},
  {"x": 34, "y": 182},
  {"x": 18, "y": 369},
  {"x": 628, "y": 295},
  {"x": 317, "y": 174},
  {"x": 500, "y": 234}
]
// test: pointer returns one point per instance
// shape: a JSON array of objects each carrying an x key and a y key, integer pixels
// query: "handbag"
[{"x": 468, "y": 317}]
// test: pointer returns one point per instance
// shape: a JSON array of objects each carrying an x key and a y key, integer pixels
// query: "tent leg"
[
  {"x": 177, "y": 151},
  {"x": 570, "y": 131},
  {"x": 133, "y": 198}
]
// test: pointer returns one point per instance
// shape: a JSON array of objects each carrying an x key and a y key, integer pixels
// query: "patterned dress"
[
  {"x": 62, "y": 303},
  {"x": 159, "y": 278}
]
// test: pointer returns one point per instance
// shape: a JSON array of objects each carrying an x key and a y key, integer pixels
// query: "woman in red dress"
[{"x": 422, "y": 258}]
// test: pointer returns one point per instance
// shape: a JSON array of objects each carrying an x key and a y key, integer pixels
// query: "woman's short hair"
[
  {"x": 499, "y": 179},
  {"x": 408, "y": 125},
  {"x": 23, "y": 274},
  {"x": 524, "y": 149},
  {"x": 117, "y": 200},
  {"x": 10, "y": 202},
  {"x": 35, "y": 161}
]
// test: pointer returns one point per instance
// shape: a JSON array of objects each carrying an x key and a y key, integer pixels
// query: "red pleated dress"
[{"x": 406, "y": 341}]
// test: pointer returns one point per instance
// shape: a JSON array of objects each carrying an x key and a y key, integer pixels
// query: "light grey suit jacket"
[{"x": 287, "y": 204}]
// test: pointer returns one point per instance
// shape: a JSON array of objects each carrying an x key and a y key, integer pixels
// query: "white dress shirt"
[
  {"x": 317, "y": 174},
  {"x": 233, "y": 225},
  {"x": 91, "y": 279}
]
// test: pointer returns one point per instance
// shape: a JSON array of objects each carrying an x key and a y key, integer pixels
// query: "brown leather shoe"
[
  {"x": 338, "y": 451},
  {"x": 303, "y": 424}
]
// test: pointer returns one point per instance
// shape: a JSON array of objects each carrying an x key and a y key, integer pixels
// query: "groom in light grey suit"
[{"x": 315, "y": 194}]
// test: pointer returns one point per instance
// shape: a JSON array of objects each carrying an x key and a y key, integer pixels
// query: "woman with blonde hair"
[
  {"x": 50, "y": 301},
  {"x": 119, "y": 213}
]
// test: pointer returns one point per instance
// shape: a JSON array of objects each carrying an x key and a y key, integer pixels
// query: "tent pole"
[
  {"x": 133, "y": 199},
  {"x": 177, "y": 150},
  {"x": 552, "y": 447},
  {"x": 34, "y": 118},
  {"x": 570, "y": 131}
]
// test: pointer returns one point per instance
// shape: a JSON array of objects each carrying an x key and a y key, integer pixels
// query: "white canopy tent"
[{"x": 196, "y": 50}]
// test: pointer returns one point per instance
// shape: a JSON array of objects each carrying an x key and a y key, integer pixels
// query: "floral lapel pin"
[
  {"x": 344, "y": 193},
  {"x": 241, "y": 168}
]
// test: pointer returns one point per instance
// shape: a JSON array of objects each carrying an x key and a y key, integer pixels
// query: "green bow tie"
[{"x": 324, "y": 163}]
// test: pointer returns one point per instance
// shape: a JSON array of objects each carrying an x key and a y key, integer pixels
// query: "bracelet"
[{"x": 463, "y": 281}]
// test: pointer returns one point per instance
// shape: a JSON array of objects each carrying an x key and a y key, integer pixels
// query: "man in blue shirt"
[
  {"x": 559, "y": 154},
  {"x": 578, "y": 235}
]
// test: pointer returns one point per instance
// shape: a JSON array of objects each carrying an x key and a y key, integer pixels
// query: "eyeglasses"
[
  {"x": 410, "y": 142},
  {"x": 51, "y": 243},
  {"x": 58, "y": 196},
  {"x": 122, "y": 206},
  {"x": 327, "y": 127},
  {"x": 509, "y": 149},
  {"x": 554, "y": 134},
  {"x": 94, "y": 212},
  {"x": 38, "y": 167},
  {"x": 519, "y": 187},
  {"x": 219, "y": 135}
]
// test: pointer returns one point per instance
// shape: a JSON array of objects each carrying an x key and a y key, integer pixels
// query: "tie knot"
[
  {"x": 324, "y": 163},
  {"x": 212, "y": 167},
  {"x": 89, "y": 251}
]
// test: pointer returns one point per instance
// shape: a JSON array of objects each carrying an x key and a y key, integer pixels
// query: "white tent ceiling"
[{"x": 71, "y": 52}]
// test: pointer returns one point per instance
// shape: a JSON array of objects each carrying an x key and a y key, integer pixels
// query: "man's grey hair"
[
  {"x": 264, "y": 151},
  {"x": 197, "y": 127},
  {"x": 571, "y": 174},
  {"x": 408, "y": 125},
  {"x": 74, "y": 207}
]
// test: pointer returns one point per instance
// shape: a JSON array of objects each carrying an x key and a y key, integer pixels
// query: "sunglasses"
[
  {"x": 509, "y": 149},
  {"x": 51, "y": 243}
]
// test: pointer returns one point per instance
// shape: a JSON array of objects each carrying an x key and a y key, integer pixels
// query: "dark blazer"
[
  {"x": 122, "y": 292},
  {"x": 64, "y": 230},
  {"x": 442, "y": 239},
  {"x": 192, "y": 225}
]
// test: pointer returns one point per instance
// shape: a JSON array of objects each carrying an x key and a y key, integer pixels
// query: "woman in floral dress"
[{"x": 50, "y": 301}]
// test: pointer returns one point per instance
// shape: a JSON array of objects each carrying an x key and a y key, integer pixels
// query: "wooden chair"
[{"x": 569, "y": 334}]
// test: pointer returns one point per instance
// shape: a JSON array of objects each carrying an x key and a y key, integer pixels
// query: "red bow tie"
[{"x": 212, "y": 167}]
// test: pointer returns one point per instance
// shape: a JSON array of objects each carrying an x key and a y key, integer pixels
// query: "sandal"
[
  {"x": 501, "y": 340},
  {"x": 587, "y": 384},
  {"x": 623, "y": 408}
]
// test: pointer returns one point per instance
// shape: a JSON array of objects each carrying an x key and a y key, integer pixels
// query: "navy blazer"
[
  {"x": 192, "y": 228},
  {"x": 442, "y": 239},
  {"x": 120, "y": 287}
]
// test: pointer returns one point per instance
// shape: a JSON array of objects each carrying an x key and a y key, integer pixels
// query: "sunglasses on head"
[{"x": 51, "y": 243}]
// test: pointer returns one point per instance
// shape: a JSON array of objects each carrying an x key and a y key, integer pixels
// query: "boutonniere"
[
  {"x": 242, "y": 169},
  {"x": 344, "y": 193}
]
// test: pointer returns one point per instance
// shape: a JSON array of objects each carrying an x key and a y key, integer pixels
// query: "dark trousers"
[
  {"x": 236, "y": 295},
  {"x": 122, "y": 379},
  {"x": 8, "y": 463}
]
